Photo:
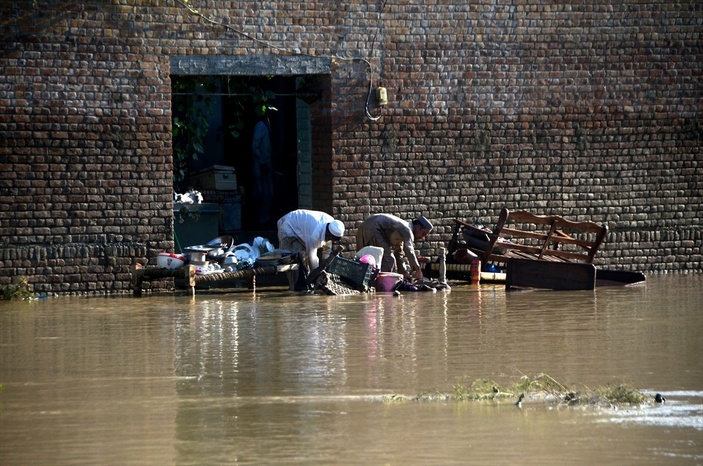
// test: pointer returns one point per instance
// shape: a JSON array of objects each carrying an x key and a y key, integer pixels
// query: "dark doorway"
[
  {"x": 279, "y": 94},
  {"x": 214, "y": 120}
]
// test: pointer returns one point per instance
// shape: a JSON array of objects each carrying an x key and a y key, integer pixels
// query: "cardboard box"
[{"x": 215, "y": 178}]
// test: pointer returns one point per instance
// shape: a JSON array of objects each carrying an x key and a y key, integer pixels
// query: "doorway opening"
[{"x": 214, "y": 119}]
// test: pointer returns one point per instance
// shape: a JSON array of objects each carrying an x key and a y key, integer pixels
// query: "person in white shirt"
[{"x": 307, "y": 231}]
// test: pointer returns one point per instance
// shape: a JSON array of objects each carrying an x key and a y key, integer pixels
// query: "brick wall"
[{"x": 588, "y": 110}]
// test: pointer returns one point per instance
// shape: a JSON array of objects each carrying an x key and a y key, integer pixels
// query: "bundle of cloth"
[
  {"x": 423, "y": 284},
  {"x": 191, "y": 197}
]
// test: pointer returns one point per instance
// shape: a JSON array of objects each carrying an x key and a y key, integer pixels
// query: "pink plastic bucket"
[{"x": 385, "y": 281}]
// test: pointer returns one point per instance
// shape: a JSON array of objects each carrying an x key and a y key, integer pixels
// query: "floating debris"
[
  {"x": 542, "y": 388},
  {"x": 620, "y": 394}
]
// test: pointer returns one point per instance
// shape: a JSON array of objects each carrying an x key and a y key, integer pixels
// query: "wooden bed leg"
[
  {"x": 190, "y": 276},
  {"x": 137, "y": 280}
]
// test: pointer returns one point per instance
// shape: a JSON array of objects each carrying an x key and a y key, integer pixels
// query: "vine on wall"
[
  {"x": 191, "y": 104},
  {"x": 193, "y": 98}
]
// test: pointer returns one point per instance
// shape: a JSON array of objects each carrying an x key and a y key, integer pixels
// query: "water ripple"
[{"x": 682, "y": 409}]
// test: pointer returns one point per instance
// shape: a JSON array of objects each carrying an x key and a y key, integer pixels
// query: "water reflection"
[{"x": 279, "y": 377}]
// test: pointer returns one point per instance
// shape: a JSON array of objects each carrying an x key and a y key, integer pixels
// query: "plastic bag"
[
  {"x": 262, "y": 245},
  {"x": 244, "y": 251}
]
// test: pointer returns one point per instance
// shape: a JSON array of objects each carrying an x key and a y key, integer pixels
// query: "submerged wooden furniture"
[
  {"x": 524, "y": 235},
  {"x": 187, "y": 273},
  {"x": 464, "y": 272},
  {"x": 543, "y": 251}
]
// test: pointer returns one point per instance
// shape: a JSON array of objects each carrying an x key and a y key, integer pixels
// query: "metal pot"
[{"x": 197, "y": 257}]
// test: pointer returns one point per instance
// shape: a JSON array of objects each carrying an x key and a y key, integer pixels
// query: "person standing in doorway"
[{"x": 262, "y": 165}]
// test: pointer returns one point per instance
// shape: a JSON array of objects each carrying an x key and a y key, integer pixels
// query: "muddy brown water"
[{"x": 279, "y": 378}]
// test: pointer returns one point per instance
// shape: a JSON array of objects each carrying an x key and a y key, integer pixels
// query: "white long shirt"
[{"x": 309, "y": 227}]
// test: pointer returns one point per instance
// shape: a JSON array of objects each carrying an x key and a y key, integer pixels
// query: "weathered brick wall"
[
  {"x": 592, "y": 111},
  {"x": 84, "y": 131},
  {"x": 589, "y": 110}
]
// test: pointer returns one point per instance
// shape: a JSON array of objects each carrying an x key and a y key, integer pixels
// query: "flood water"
[{"x": 278, "y": 378}]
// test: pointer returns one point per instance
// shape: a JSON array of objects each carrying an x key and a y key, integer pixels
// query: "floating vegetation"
[
  {"x": 542, "y": 388},
  {"x": 481, "y": 389},
  {"x": 20, "y": 290},
  {"x": 433, "y": 396},
  {"x": 621, "y": 394}
]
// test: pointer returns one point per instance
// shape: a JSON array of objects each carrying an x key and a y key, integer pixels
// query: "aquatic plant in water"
[
  {"x": 19, "y": 290},
  {"x": 541, "y": 387},
  {"x": 619, "y": 394}
]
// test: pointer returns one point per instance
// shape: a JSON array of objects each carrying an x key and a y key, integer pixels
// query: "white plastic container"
[{"x": 375, "y": 251}]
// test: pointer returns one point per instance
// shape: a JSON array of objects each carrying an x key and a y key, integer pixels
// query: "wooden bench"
[{"x": 546, "y": 251}]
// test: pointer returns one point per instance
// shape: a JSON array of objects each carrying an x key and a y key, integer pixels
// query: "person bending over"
[{"x": 396, "y": 236}]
